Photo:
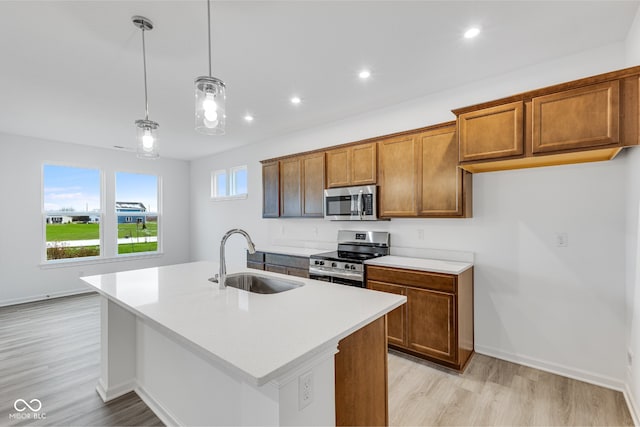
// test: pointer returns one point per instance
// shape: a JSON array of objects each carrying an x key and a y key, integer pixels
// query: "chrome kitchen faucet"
[{"x": 221, "y": 277}]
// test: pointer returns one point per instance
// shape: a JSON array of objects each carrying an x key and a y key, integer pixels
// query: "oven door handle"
[{"x": 343, "y": 275}]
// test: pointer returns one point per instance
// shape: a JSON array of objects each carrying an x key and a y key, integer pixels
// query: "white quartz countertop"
[
  {"x": 423, "y": 264},
  {"x": 260, "y": 337},
  {"x": 290, "y": 250}
]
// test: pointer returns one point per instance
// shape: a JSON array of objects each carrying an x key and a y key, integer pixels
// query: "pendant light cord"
[
  {"x": 209, "y": 32},
  {"x": 144, "y": 65}
]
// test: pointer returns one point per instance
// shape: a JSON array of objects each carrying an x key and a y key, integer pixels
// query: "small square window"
[{"x": 229, "y": 183}]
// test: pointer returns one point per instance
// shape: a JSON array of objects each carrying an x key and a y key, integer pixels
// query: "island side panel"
[
  {"x": 183, "y": 387},
  {"x": 361, "y": 377},
  {"x": 117, "y": 352}
]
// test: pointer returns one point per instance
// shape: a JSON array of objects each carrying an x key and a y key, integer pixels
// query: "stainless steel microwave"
[{"x": 351, "y": 203}]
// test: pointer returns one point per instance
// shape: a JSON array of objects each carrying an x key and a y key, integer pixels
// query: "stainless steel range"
[{"x": 346, "y": 265}]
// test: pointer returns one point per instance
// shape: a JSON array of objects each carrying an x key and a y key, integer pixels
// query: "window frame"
[
  {"x": 107, "y": 218},
  {"x": 230, "y": 183},
  {"x": 44, "y": 214},
  {"x": 158, "y": 214}
]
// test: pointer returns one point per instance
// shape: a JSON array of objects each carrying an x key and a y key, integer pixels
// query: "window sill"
[
  {"x": 226, "y": 198},
  {"x": 97, "y": 260}
]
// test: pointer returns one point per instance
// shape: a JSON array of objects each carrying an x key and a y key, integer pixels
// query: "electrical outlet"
[
  {"x": 629, "y": 358},
  {"x": 562, "y": 240},
  {"x": 420, "y": 234},
  {"x": 305, "y": 390}
]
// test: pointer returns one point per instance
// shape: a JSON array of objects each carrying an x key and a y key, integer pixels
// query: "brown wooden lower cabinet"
[
  {"x": 437, "y": 321},
  {"x": 278, "y": 263},
  {"x": 361, "y": 377}
]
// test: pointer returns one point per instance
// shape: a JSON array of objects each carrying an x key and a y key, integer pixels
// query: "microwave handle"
[{"x": 360, "y": 204}]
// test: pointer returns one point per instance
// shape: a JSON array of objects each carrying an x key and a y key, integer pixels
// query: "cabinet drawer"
[
  {"x": 287, "y": 261},
  {"x": 255, "y": 257},
  {"x": 417, "y": 279}
]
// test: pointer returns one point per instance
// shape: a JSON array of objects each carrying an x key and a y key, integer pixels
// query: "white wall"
[
  {"x": 22, "y": 278},
  {"x": 561, "y": 309},
  {"x": 632, "y": 294}
]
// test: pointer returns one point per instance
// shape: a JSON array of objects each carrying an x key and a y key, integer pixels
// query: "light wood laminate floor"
[
  {"x": 50, "y": 351},
  {"x": 494, "y": 392}
]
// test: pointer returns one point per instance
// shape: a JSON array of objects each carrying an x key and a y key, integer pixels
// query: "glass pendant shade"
[
  {"x": 210, "y": 105},
  {"x": 147, "y": 139}
]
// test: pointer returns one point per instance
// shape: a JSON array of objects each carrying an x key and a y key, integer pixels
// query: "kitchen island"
[{"x": 199, "y": 355}]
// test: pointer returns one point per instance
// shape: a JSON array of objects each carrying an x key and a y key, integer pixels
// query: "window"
[
  {"x": 229, "y": 184},
  {"x": 137, "y": 212},
  {"x": 71, "y": 212}
]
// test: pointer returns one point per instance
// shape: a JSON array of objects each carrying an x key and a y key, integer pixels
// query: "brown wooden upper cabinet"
[
  {"x": 293, "y": 186},
  {"x": 352, "y": 165},
  {"x": 492, "y": 133},
  {"x": 398, "y": 176},
  {"x": 579, "y": 118},
  {"x": 313, "y": 185},
  {"x": 419, "y": 175},
  {"x": 271, "y": 189},
  {"x": 290, "y": 187},
  {"x": 585, "y": 120},
  {"x": 444, "y": 188}
]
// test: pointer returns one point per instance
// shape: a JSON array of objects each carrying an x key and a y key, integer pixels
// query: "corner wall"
[
  {"x": 632, "y": 289},
  {"x": 559, "y": 309},
  {"x": 22, "y": 278}
]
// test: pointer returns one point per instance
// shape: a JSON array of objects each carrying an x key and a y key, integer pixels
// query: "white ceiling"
[{"x": 72, "y": 70}]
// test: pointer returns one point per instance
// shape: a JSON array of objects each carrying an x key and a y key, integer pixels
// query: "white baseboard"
[
  {"x": 631, "y": 404},
  {"x": 113, "y": 392},
  {"x": 165, "y": 416},
  {"x": 554, "y": 368},
  {"x": 42, "y": 297}
]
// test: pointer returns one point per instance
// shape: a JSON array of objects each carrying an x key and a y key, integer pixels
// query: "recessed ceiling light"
[
  {"x": 295, "y": 100},
  {"x": 364, "y": 74},
  {"x": 471, "y": 32},
  {"x": 248, "y": 118}
]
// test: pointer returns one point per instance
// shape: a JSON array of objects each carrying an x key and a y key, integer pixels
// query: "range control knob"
[
  {"x": 346, "y": 266},
  {"x": 333, "y": 264},
  {"x": 353, "y": 267}
]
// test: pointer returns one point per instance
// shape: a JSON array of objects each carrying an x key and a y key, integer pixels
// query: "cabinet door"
[
  {"x": 290, "y": 194},
  {"x": 270, "y": 190},
  {"x": 431, "y": 323},
  {"x": 398, "y": 176},
  {"x": 442, "y": 181},
  {"x": 364, "y": 169},
  {"x": 492, "y": 133},
  {"x": 313, "y": 185},
  {"x": 396, "y": 332},
  {"x": 338, "y": 168},
  {"x": 574, "y": 119}
]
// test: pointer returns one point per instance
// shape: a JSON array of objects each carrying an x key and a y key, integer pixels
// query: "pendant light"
[
  {"x": 210, "y": 96},
  {"x": 147, "y": 129}
]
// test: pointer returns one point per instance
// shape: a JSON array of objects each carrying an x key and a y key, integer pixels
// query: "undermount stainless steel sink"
[{"x": 260, "y": 284}]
